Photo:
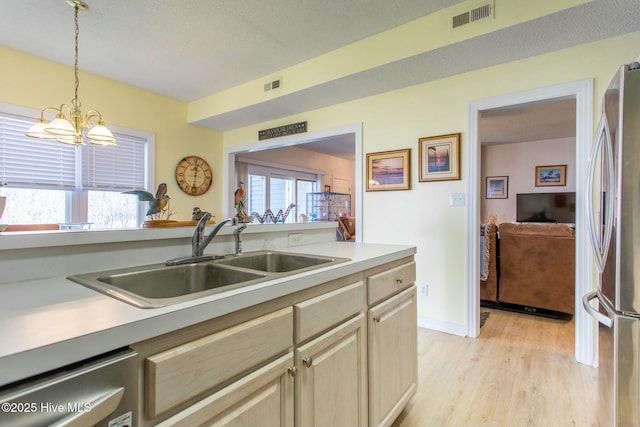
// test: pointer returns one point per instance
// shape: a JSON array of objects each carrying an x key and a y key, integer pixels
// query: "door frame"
[{"x": 582, "y": 92}]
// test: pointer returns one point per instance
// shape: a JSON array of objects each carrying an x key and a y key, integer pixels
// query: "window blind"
[
  {"x": 47, "y": 164},
  {"x": 121, "y": 167},
  {"x": 33, "y": 163}
]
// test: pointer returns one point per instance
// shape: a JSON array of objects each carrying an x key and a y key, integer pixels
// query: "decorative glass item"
[{"x": 328, "y": 206}]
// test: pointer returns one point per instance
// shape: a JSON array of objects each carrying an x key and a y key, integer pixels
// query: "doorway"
[{"x": 582, "y": 92}]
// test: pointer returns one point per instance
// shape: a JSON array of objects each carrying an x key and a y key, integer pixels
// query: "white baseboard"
[{"x": 442, "y": 326}]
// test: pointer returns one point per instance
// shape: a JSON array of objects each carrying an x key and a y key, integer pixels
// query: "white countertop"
[{"x": 52, "y": 322}]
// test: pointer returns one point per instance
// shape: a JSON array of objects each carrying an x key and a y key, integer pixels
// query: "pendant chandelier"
[{"x": 69, "y": 126}]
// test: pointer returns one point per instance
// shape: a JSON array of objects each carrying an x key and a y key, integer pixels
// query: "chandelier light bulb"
[{"x": 37, "y": 130}]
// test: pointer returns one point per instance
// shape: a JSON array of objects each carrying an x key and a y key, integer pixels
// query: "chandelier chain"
[
  {"x": 76, "y": 102},
  {"x": 74, "y": 128}
]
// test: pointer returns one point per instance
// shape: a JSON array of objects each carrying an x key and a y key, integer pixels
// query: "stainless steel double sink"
[{"x": 159, "y": 285}]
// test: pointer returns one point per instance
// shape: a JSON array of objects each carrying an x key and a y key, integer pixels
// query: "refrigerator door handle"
[
  {"x": 600, "y": 240},
  {"x": 586, "y": 303}
]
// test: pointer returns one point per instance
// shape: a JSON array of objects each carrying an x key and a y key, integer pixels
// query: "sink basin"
[
  {"x": 159, "y": 285},
  {"x": 276, "y": 262}
]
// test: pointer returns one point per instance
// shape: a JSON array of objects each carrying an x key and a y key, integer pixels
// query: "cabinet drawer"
[
  {"x": 318, "y": 314},
  {"x": 262, "y": 398},
  {"x": 181, "y": 373},
  {"x": 386, "y": 283}
]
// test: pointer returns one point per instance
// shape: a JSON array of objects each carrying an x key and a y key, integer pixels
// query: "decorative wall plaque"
[{"x": 282, "y": 131}]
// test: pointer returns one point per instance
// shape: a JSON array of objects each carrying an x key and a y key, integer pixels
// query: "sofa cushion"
[{"x": 546, "y": 229}]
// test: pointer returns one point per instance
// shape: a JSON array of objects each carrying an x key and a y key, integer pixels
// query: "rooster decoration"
[{"x": 158, "y": 204}]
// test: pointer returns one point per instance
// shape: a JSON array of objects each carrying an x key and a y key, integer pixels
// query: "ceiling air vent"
[
  {"x": 476, "y": 14},
  {"x": 272, "y": 85}
]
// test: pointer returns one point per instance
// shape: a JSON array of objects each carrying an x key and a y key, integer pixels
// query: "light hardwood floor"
[{"x": 521, "y": 371}]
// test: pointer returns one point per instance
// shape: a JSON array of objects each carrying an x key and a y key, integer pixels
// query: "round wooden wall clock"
[{"x": 194, "y": 175}]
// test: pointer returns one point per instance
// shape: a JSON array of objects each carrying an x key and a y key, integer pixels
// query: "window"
[
  {"x": 51, "y": 182},
  {"x": 302, "y": 188},
  {"x": 276, "y": 189}
]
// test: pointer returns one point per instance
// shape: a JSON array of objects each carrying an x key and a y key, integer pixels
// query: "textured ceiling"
[
  {"x": 194, "y": 48},
  {"x": 539, "y": 121},
  {"x": 190, "y": 49}
]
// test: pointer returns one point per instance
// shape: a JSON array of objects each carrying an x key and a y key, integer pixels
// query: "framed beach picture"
[
  {"x": 439, "y": 157},
  {"x": 551, "y": 176},
  {"x": 389, "y": 170},
  {"x": 497, "y": 187}
]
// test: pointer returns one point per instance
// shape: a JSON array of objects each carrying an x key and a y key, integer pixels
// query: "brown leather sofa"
[{"x": 537, "y": 266}]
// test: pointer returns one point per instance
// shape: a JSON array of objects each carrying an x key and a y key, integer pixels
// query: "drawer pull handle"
[
  {"x": 308, "y": 361},
  {"x": 292, "y": 371},
  {"x": 399, "y": 281},
  {"x": 376, "y": 319}
]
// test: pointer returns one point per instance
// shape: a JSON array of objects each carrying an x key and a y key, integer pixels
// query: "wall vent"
[
  {"x": 473, "y": 15},
  {"x": 272, "y": 85}
]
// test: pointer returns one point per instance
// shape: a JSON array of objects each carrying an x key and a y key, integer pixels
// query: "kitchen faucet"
[
  {"x": 236, "y": 234},
  {"x": 199, "y": 242}
]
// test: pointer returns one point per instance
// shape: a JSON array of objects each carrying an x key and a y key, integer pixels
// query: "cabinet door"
[
  {"x": 393, "y": 366},
  {"x": 262, "y": 398},
  {"x": 331, "y": 379}
]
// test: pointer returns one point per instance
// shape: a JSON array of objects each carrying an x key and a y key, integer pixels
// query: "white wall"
[{"x": 518, "y": 162}]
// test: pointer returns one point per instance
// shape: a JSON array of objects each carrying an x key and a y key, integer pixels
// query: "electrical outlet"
[
  {"x": 295, "y": 239},
  {"x": 423, "y": 289},
  {"x": 122, "y": 421},
  {"x": 456, "y": 199}
]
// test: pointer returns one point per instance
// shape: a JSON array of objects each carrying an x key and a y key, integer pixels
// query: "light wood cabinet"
[
  {"x": 389, "y": 281},
  {"x": 331, "y": 378},
  {"x": 340, "y": 354},
  {"x": 180, "y": 373},
  {"x": 392, "y": 349},
  {"x": 316, "y": 315},
  {"x": 262, "y": 398}
]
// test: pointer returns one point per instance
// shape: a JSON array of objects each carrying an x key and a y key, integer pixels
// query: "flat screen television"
[{"x": 546, "y": 207}]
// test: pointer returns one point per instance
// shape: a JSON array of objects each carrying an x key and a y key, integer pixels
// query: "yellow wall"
[
  {"x": 395, "y": 120},
  {"x": 392, "y": 120},
  {"x": 36, "y": 83}
]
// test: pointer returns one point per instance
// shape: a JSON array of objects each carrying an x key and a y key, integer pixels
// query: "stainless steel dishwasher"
[{"x": 102, "y": 391}]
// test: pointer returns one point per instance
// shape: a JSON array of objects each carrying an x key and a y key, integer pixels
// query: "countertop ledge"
[
  {"x": 49, "y": 323},
  {"x": 48, "y": 239}
]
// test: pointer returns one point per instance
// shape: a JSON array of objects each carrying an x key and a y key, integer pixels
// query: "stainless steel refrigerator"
[{"x": 613, "y": 207}]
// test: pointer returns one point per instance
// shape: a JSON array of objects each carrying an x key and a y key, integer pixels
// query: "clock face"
[{"x": 194, "y": 175}]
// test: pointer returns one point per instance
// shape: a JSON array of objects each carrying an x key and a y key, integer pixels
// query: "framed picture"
[
  {"x": 389, "y": 170},
  {"x": 497, "y": 187},
  {"x": 439, "y": 157},
  {"x": 551, "y": 176}
]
